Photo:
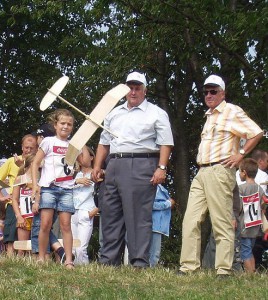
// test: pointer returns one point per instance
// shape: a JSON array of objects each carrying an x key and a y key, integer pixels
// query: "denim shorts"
[
  {"x": 35, "y": 232},
  {"x": 57, "y": 198},
  {"x": 246, "y": 246}
]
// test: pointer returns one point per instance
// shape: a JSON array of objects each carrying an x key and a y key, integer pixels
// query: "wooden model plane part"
[
  {"x": 83, "y": 134},
  {"x": 92, "y": 122},
  {"x": 26, "y": 245}
]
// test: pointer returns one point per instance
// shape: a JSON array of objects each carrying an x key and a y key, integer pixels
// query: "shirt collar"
[
  {"x": 219, "y": 108},
  {"x": 142, "y": 106}
]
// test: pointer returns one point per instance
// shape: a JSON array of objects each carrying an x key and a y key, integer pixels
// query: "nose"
[{"x": 132, "y": 92}]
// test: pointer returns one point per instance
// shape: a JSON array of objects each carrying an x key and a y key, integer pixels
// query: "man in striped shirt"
[{"x": 212, "y": 188}]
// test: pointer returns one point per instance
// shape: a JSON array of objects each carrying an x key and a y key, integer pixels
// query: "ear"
[{"x": 145, "y": 91}]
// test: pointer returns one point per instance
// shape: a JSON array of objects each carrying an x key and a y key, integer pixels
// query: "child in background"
[
  {"x": 56, "y": 183},
  {"x": 22, "y": 202},
  {"x": 252, "y": 202},
  {"x": 85, "y": 210},
  {"x": 161, "y": 221}
]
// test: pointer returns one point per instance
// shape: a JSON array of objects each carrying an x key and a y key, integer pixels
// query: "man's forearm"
[{"x": 165, "y": 151}]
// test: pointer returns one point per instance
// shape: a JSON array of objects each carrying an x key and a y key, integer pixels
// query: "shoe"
[
  {"x": 69, "y": 265},
  {"x": 62, "y": 261},
  {"x": 63, "y": 258},
  {"x": 181, "y": 273}
]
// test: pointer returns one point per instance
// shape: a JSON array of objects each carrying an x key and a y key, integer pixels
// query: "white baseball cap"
[
  {"x": 137, "y": 78},
  {"x": 215, "y": 80}
]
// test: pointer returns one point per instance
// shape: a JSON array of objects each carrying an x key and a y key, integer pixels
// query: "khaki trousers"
[{"x": 211, "y": 190}]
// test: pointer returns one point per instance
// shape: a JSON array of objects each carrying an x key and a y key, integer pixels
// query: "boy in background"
[{"x": 253, "y": 201}]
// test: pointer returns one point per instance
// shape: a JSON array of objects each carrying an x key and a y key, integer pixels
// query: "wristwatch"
[
  {"x": 242, "y": 152},
  {"x": 162, "y": 167}
]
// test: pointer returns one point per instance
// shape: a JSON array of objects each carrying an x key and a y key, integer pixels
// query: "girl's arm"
[
  {"x": 84, "y": 158},
  {"x": 15, "y": 205},
  {"x": 40, "y": 155}
]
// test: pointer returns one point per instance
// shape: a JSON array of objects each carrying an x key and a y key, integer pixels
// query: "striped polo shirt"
[{"x": 224, "y": 128}]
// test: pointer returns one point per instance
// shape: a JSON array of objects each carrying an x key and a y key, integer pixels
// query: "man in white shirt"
[{"x": 138, "y": 162}]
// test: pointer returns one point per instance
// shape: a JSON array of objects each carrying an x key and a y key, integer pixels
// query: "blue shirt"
[{"x": 161, "y": 211}]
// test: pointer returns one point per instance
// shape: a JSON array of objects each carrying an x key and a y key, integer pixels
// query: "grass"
[{"x": 22, "y": 279}]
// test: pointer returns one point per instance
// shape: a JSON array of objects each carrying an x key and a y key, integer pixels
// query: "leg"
[
  {"x": 84, "y": 231},
  {"x": 100, "y": 236},
  {"x": 137, "y": 194},
  {"x": 191, "y": 228},
  {"x": 10, "y": 230},
  {"x": 219, "y": 183},
  {"x": 112, "y": 221},
  {"x": 45, "y": 227},
  {"x": 23, "y": 234},
  {"x": 65, "y": 227},
  {"x": 249, "y": 265},
  {"x": 155, "y": 248},
  {"x": 247, "y": 245}
]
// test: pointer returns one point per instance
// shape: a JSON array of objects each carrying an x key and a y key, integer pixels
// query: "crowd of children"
[{"x": 47, "y": 188}]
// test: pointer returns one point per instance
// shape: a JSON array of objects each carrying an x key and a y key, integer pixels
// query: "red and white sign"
[{"x": 252, "y": 210}]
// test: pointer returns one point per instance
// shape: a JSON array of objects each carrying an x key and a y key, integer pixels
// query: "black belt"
[
  {"x": 210, "y": 164},
  {"x": 134, "y": 155}
]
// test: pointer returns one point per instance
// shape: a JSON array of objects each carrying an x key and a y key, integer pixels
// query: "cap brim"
[
  {"x": 211, "y": 84},
  {"x": 135, "y": 82}
]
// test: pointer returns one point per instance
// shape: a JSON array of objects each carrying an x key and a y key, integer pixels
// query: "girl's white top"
[
  {"x": 83, "y": 196},
  {"x": 54, "y": 170}
]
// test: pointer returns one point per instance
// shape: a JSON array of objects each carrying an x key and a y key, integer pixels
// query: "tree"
[{"x": 176, "y": 43}]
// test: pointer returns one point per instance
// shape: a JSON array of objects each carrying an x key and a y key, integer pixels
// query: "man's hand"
[
  {"x": 97, "y": 174},
  {"x": 233, "y": 161},
  {"x": 158, "y": 177},
  {"x": 93, "y": 212}
]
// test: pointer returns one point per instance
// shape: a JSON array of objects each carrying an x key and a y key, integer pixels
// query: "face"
[
  {"x": 212, "y": 101},
  {"x": 263, "y": 163},
  {"x": 242, "y": 175},
  {"x": 64, "y": 127},
  {"x": 136, "y": 95},
  {"x": 29, "y": 146}
]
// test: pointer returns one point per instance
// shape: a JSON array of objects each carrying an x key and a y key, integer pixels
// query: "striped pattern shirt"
[{"x": 224, "y": 128}]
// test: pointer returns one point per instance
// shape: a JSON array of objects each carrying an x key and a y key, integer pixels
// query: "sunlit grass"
[{"x": 24, "y": 278}]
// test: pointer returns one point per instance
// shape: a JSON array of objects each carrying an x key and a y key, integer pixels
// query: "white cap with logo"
[
  {"x": 137, "y": 78},
  {"x": 215, "y": 80}
]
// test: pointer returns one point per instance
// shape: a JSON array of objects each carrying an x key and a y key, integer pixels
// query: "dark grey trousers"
[{"x": 127, "y": 207}]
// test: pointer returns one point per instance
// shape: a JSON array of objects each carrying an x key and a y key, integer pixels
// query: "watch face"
[{"x": 242, "y": 151}]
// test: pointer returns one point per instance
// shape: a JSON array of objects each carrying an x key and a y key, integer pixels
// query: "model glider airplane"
[{"x": 92, "y": 122}]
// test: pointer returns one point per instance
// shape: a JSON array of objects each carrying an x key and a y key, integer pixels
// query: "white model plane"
[{"x": 92, "y": 122}]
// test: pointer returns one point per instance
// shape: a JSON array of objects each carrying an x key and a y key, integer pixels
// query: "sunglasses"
[{"x": 212, "y": 92}]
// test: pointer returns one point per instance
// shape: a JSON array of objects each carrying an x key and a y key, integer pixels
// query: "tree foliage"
[{"x": 176, "y": 43}]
